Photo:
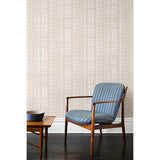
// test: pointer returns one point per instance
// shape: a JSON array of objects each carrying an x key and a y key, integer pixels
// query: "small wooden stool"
[{"x": 38, "y": 127}]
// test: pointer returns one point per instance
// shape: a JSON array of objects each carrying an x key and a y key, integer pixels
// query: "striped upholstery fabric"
[
  {"x": 104, "y": 112},
  {"x": 85, "y": 117},
  {"x": 108, "y": 92}
]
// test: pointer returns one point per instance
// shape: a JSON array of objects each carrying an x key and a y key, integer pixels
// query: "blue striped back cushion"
[{"x": 108, "y": 92}]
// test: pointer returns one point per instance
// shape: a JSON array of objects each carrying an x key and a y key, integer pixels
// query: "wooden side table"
[{"x": 38, "y": 127}]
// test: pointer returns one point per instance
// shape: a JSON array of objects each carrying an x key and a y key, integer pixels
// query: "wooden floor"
[{"x": 109, "y": 146}]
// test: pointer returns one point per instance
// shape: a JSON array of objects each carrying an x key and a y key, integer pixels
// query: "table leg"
[
  {"x": 46, "y": 137},
  {"x": 41, "y": 140}
]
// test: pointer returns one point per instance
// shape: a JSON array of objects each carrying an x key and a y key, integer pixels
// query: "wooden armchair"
[{"x": 106, "y": 101}]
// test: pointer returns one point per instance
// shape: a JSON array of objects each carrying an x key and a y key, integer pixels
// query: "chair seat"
[{"x": 85, "y": 117}]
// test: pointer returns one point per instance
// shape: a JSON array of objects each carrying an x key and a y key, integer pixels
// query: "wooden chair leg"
[
  {"x": 92, "y": 130},
  {"x": 66, "y": 126},
  {"x": 124, "y": 137},
  {"x": 92, "y": 141}
]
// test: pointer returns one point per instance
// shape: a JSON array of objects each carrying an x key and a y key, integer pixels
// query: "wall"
[{"x": 74, "y": 44}]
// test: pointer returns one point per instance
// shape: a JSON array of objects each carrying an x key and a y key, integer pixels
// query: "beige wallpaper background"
[{"x": 74, "y": 44}]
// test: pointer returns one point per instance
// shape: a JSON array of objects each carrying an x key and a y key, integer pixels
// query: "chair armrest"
[
  {"x": 67, "y": 103},
  {"x": 118, "y": 101},
  {"x": 79, "y": 97}
]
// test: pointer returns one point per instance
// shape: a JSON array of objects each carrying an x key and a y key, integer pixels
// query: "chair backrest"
[{"x": 108, "y": 92}]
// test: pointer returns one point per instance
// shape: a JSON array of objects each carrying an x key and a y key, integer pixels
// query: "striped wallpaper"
[{"x": 74, "y": 44}]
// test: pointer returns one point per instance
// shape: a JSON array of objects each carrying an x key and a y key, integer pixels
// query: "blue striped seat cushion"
[
  {"x": 108, "y": 92},
  {"x": 85, "y": 117}
]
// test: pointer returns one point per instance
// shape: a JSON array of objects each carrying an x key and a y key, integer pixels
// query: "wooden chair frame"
[{"x": 92, "y": 126}]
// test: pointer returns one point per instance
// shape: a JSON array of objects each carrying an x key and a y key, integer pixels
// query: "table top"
[{"x": 46, "y": 122}]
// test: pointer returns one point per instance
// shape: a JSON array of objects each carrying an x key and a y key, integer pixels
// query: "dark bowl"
[{"x": 35, "y": 116}]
